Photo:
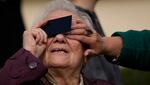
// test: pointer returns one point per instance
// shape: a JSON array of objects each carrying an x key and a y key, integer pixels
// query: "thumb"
[
  {"x": 40, "y": 50},
  {"x": 89, "y": 52}
]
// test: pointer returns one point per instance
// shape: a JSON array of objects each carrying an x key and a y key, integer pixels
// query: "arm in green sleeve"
[{"x": 135, "y": 52}]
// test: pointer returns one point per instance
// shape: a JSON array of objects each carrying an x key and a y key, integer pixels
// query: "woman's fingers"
[
  {"x": 41, "y": 36},
  {"x": 34, "y": 41},
  {"x": 44, "y": 35}
]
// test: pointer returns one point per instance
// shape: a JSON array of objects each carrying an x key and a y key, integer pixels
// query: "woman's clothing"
[
  {"x": 135, "y": 52},
  {"x": 25, "y": 69}
]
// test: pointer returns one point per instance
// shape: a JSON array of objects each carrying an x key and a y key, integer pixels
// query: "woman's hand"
[{"x": 34, "y": 40}]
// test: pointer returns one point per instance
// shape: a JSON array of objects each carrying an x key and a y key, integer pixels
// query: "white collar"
[{"x": 81, "y": 80}]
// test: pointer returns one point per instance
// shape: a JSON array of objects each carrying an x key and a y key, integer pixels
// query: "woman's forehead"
[{"x": 61, "y": 13}]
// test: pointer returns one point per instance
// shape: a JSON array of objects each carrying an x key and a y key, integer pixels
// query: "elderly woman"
[{"x": 55, "y": 60}]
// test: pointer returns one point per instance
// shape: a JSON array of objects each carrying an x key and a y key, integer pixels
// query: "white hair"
[{"x": 66, "y": 5}]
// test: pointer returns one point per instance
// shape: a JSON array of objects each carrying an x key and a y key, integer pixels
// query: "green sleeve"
[{"x": 135, "y": 52}]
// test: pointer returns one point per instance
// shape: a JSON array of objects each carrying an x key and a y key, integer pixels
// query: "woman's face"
[{"x": 62, "y": 51}]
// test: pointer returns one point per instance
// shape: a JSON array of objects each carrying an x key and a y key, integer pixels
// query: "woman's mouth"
[{"x": 59, "y": 50}]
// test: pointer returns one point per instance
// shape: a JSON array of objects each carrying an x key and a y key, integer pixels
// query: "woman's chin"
[{"x": 59, "y": 64}]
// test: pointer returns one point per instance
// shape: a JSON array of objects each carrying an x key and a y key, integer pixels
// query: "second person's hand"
[{"x": 88, "y": 36}]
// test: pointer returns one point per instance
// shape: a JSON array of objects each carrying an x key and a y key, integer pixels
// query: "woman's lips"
[{"x": 59, "y": 50}]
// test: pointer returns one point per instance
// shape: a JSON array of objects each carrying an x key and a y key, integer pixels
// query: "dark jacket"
[
  {"x": 135, "y": 52},
  {"x": 25, "y": 69}
]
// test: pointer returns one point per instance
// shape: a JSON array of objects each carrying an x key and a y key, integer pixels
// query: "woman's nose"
[{"x": 60, "y": 38}]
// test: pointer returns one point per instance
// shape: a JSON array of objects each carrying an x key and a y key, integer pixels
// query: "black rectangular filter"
[{"x": 58, "y": 26}]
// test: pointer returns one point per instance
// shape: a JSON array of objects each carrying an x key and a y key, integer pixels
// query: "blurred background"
[{"x": 114, "y": 15}]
